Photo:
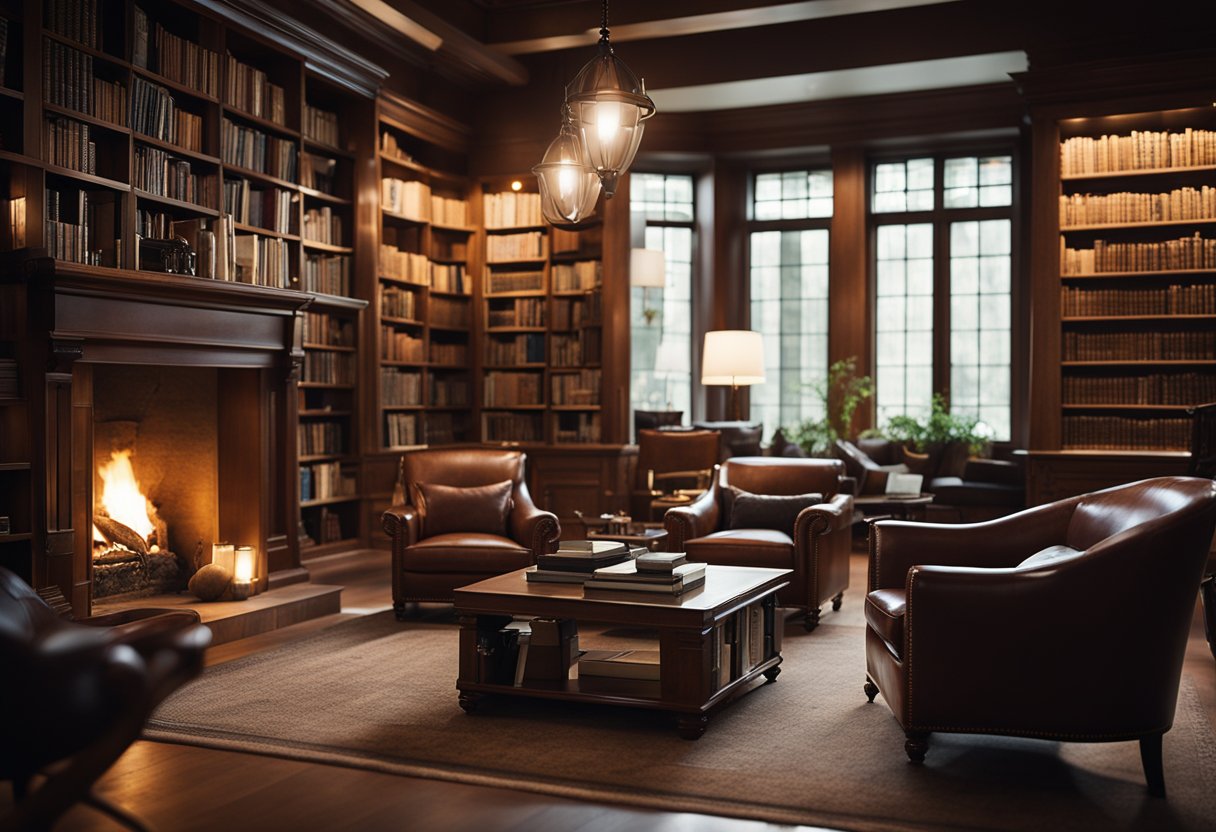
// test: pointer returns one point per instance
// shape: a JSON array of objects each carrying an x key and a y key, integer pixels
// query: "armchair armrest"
[
  {"x": 896, "y": 546},
  {"x": 531, "y": 526},
  {"x": 401, "y": 524},
  {"x": 697, "y": 519},
  {"x": 824, "y": 518}
]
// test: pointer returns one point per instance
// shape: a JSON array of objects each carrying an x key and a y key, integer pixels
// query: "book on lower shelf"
[{"x": 642, "y": 665}]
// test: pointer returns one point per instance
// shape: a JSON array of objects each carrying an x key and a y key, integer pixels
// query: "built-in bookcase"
[{"x": 1137, "y": 248}]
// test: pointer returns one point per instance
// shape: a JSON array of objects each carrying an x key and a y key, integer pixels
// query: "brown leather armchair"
[
  {"x": 77, "y": 694},
  {"x": 818, "y": 550},
  {"x": 677, "y": 458},
  {"x": 998, "y": 647},
  {"x": 429, "y": 566}
]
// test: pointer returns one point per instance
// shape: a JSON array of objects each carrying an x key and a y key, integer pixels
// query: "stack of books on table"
[
  {"x": 657, "y": 573},
  {"x": 576, "y": 560}
]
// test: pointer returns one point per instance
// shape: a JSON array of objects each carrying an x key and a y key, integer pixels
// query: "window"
[
  {"x": 661, "y": 319},
  {"x": 789, "y": 292},
  {"x": 959, "y": 208}
]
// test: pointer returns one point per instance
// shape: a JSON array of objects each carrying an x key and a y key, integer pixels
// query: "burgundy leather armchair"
[
  {"x": 429, "y": 566},
  {"x": 77, "y": 694},
  {"x": 997, "y": 647},
  {"x": 818, "y": 550}
]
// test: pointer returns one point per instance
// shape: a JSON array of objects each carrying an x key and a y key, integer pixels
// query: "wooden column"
[
  {"x": 850, "y": 312},
  {"x": 728, "y": 299}
]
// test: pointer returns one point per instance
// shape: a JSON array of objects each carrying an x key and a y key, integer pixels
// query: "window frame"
[{"x": 941, "y": 218}]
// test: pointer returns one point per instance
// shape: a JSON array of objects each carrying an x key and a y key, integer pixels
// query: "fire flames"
[{"x": 121, "y": 498}]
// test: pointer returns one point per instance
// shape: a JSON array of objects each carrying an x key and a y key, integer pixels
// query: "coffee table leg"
[
  {"x": 470, "y": 701},
  {"x": 772, "y": 673},
  {"x": 691, "y": 726}
]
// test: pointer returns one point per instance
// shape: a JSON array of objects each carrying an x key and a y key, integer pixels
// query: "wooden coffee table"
[{"x": 694, "y": 629}]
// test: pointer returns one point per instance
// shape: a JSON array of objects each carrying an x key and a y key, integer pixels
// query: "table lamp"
[
  {"x": 734, "y": 357},
  {"x": 648, "y": 269}
]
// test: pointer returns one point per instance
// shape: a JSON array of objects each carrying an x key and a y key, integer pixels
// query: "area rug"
[{"x": 379, "y": 694}]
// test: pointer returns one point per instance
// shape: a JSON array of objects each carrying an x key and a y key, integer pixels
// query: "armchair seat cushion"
[
  {"x": 885, "y": 615},
  {"x": 466, "y": 552},
  {"x": 743, "y": 547},
  {"x": 955, "y": 491}
]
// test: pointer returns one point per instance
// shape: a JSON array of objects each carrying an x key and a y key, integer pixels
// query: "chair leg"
[
  {"x": 916, "y": 745},
  {"x": 1150, "y": 758},
  {"x": 812, "y": 619},
  {"x": 837, "y": 601},
  {"x": 399, "y": 610},
  {"x": 870, "y": 688}
]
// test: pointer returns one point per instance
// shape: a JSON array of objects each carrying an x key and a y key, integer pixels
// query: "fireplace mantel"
[{"x": 78, "y": 317}]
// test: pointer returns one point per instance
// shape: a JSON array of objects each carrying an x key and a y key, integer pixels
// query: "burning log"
[{"x": 115, "y": 532}]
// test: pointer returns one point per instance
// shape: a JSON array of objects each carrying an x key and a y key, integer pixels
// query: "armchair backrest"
[
  {"x": 463, "y": 467},
  {"x": 664, "y": 451},
  {"x": 23, "y": 615},
  {"x": 783, "y": 475},
  {"x": 1104, "y": 514}
]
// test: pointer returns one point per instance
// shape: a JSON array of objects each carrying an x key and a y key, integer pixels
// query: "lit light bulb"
[
  {"x": 607, "y": 120},
  {"x": 516, "y": 185},
  {"x": 567, "y": 179}
]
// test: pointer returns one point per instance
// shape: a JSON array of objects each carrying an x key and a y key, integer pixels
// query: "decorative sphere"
[{"x": 210, "y": 583}]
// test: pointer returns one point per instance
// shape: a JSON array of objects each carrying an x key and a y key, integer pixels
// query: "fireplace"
[{"x": 188, "y": 388}]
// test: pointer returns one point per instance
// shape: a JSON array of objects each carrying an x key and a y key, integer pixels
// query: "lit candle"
[
  {"x": 223, "y": 554},
  {"x": 243, "y": 572}
]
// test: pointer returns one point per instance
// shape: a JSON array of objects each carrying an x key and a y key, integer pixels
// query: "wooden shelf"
[
  {"x": 14, "y": 466},
  {"x": 574, "y": 408},
  {"x": 265, "y": 232},
  {"x": 15, "y": 95},
  {"x": 304, "y": 459},
  {"x": 322, "y": 149},
  {"x": 1077, "y": 319},
  {"x": 177, "y": 150},
  {"x": 322, "y": 385},
  {"x": 514, "y": 229},
  {"x": 506, "y": 330},
  {"x": 456, "y": 229},
  {"x": 401, "y": 321},
  {"x": 324, "y": 414},
  {"x": 88, "y": 178},
  {"x": 1162, "y": 362},
  {"x": 237, "y": 171},
  {"x": 459, "y": 295},
  {"x": 1159, "y": 273},
  {"x": 313, "y": 193},
  {"x": 182, "y": 89},
  {"x": 390, "y": 215},
  {"x": 532, "y": 260},
  {"x": 80, "y": 47},
  {"x": 170, "y": 202},
  {"x": 446, "y": 328},
  {"x": 85, "y": 117},
  {"x": 402, "y": 408},
  {"x": 313, "y": 245},
  {"x": 1077, "y": 177},
  {"x": 527, "y": 407},
  {"x": 1130, "y": 407},
  {"x": 19, "y": 537},
  {"x": 409, "y": 284},
  {"x": 330, "y": 501},
  {"x": 1069, "y": 229},
  {"x": 329, "y": 347},
  {"x": 266, "y": 124}
]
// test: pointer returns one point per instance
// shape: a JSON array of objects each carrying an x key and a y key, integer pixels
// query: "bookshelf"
[
  {"x": 1136, "y": 226},
  {"x": 542, "y": 316}
]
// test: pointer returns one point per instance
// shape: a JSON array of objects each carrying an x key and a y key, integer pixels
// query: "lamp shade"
[
  {"x": 647, "y": 268},
  {"x": 732, "y": 356},
  {"x": 569, "y": 187}
]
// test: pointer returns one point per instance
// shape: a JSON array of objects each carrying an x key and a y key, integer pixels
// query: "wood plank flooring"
[{"x": 176, "y": 787}]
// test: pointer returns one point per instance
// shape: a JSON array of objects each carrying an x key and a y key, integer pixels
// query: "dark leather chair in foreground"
[
  {"x": 964, "y": 636},
  {"x": 76, "y": 695},
  {"x": 669, "y": 460},
  {"x": 816, "y": 544},
  {"x": 469, "y": 516}
]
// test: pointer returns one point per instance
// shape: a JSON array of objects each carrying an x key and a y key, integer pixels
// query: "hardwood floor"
[{"x": 186, "y": 788}]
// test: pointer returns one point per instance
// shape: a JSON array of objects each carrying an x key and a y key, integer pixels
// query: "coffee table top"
[{"x": 726, "y": 589}]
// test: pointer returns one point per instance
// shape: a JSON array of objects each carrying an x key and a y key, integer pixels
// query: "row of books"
[
  {"x": 1139, "y": 346},
  {"x": 449, "y": 354},
  {"x": 159, "y": 172},
  {"x": 577, "y": 427},
  {"x": 66, "y": 142},
  {"x": 323, "y": 225},
  {"x": 572, "y": 313},
  {"x": 396, "y": 345},
  {"x": 510, "y": 209},
  {"x": 1175, "y": 299},
  {"x": 68, "y": 81},
  {"x": 250, "y": 89},
  {"x": 449, "y": 277},
  {"x": 580, "y": 276},
  {"x": 448, "y": 312},
  {"x": 269, "y": 208},
  {"x": 1121, "y": 433},
  {"x": 155, "y": 113},
  {"x": 155, "y": 225},
  {"x": 497, "y": 282},
  {"x": 1141, "y": 150},
  {"x": 320, "y": 437},
  {"x": 446, "y": 428},
  {"x": 176, "y": 58},
  {"x": 396, "y": 302},
  {"x": 78, "y": 225},
  {"x": 326, "y": 273},
  {"x": 327, "y": 330},
  {"x": 400, "y": 430},
  {"x": 1179, "y": 204},
  {"x": 406, "y": 198},
  {"x": 1194, "y": 252},
  {"x": 511, "y": 427},
  {"x": 1183, "y": 389},
  {"x": 325, "y": 526},
  {"x": 518, "y": 349},
  {"x": 321, "y": 125},
  {"x": 449, "y": 211},
  {"x": 74, "y": 19},
  {"x": 513, "y": 389},
  {"x": 400, "y": 388},
  {"x": 326, "y": 480},
  {"x": 574, "y": 350},
  {"x": 609, "y": 567},
  {"x": 530, "y": 245},
  {"x": 389, "y": 146},
  {"x": 407, "y": 266},
  {"x": 255, "y": 150},
  {"x": 516, "y": 312},
  {"x": 582, "y": 387},
  {"x": 319, "y": 173},
  {"x": 449, "y": 392},
  {"x": 323, "y": 367},
  {"x": 575, "y": 561}
]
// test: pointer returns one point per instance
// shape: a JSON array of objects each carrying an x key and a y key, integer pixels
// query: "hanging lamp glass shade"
[
  {"x": 569, "y": 186},
  {"x": 609, "y": 105}
]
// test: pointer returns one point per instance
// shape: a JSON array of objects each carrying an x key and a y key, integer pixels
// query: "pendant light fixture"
[{"x": 569, "y": 186}]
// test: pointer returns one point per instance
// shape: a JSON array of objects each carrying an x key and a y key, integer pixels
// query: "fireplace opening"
[{"x": 155, "y": 476}]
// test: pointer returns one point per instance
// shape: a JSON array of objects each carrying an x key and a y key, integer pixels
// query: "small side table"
[
  {"x": 652, "y": 539},
  {"x": 898, "y": 508}
]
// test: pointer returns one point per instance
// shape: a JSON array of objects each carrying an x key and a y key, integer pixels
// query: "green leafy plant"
[
  {"x": 939, "y": 428},
  {"x": 840, "y": 394}
]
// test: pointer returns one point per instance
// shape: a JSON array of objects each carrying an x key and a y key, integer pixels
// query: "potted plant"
[
  {"x": 840, "y": 393},
  {"x": 945, "y": 439}
]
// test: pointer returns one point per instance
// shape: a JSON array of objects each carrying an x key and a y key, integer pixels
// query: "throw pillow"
[
  {"x": 445, "y": 509},
  {"x": 1051, "y": 554},
  {"x": 768, "y": 511}
]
